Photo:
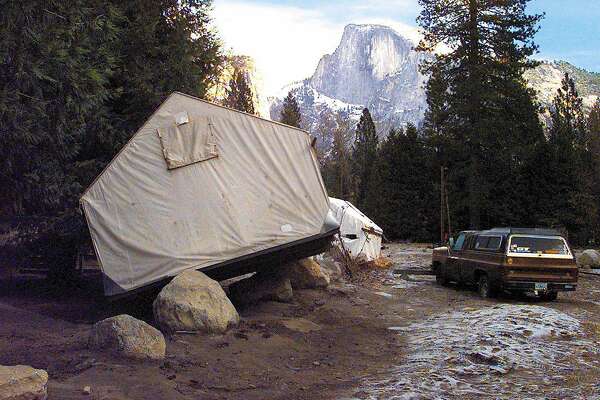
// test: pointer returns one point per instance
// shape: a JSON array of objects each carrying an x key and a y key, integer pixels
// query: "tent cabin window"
[
  {"x": 187, "y": 142},
  {"x": 351, "y": 236}
]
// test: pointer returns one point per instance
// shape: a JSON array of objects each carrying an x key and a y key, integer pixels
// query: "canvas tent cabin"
[
  {"x": 360, "y": 236},
  {"x": 204, "y": 187}
]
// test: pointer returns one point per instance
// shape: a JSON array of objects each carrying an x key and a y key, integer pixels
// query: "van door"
[{"x": 453, "y": 265}]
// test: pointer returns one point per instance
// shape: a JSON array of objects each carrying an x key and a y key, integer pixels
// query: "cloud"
[{"x": 285, "y": 42}]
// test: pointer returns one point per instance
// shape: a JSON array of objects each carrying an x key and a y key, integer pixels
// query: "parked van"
[{"x": 538, "y": 261}]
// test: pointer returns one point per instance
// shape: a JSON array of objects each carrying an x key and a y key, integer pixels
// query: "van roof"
[{"x": 523, "y": 231}]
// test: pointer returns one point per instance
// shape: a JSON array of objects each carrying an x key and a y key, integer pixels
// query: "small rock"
[
  {"x": 22, "y": 382},
  {"x": 316, "y": 363},
  {"x": 194, "y": 302},
  {"x": 300, "y": 325},
  {"x": 128, "y": 336},
  {"x": 87, "y": 390}
]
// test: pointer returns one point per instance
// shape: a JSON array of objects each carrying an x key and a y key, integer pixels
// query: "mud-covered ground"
[{"x": 383, "y": 336}]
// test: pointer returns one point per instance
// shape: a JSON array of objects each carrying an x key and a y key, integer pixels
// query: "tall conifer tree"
[
  {"x": 336, "y": 167},
  {"x": 290, "y": 114},
  {"x": 574, "y": 206},
  {"x": 490, "y": 111},
  {"x": 363, "y": 155},
  {"x": 76, "y": 79},
  {"x": 239, "y": 95},
  {"x": 401, "y": 189}
]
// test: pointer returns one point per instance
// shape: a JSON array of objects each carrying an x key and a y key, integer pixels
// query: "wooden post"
[{"x": 442, "y": 208}]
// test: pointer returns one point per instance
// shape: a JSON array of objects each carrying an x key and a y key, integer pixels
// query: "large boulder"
[
  {"x": 194, "y": 302},
  {"x": 262, "y": 287},
  {"x": 127, "y": 336},
  {"x": 21, "y": 382},
  {"x": 306, "y": 274},
  {"x": 589, "y": 259}
]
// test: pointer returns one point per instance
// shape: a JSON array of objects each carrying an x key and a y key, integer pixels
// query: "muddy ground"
[{"x": 383, "y": 336}]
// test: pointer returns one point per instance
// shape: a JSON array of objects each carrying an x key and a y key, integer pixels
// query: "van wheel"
[
  {"x": 440, "y": 277},
  {"x": 484, "y": 287},
  {"x": 549, "y": 296}
]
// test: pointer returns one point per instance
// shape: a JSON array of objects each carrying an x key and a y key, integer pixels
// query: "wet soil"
[{"x": 327, "y": 344}]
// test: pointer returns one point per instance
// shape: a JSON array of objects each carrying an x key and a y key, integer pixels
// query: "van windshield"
[{"x": 538, "y": 245}]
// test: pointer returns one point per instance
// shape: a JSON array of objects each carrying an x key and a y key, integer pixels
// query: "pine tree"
[
  {"x": 164, "y": 46},
  {"x": 473, "y": 96},
  {"x": 572, "y": 166},
  {"x": 593, "y": 128},
  {"x": 290, "y": 114},
  {"x": 337, "y": 173},
  {"x": 401, "y": 190},
  {"x": 76, "y": 79},
  {"x": 239, "y": 95},
  {"x": 594, "y": 119},
  {"x": 363, "y": 155}
]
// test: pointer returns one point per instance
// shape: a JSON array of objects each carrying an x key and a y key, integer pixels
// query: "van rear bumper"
[{"x": 530, "y": 286}]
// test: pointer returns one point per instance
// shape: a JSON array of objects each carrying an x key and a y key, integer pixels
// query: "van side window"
[
  {"x": 494, "y": 242},
  {"x": 460, "y": 240},
  {"x": 481, "y": 242},
  {"x": 488, "y": 242}
]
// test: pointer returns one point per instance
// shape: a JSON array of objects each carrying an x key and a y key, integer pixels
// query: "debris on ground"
[{"x": 22, "y": 382}]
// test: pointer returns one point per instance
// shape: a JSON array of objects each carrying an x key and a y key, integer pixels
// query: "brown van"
[{"x": 538, "y": 261}]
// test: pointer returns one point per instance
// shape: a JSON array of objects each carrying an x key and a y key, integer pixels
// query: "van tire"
[
  {"x": 484, "y": 287},
  {"x": 549, "y": 296},
  {"x": 440, "y": 276}
]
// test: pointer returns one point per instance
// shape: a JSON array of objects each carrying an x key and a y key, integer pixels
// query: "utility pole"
[{"x": 442, "y": 206}]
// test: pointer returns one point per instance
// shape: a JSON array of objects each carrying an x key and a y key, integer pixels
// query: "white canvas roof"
[
  {"x": 197, "y": 185},
  {"x": 360, "y": 236}
]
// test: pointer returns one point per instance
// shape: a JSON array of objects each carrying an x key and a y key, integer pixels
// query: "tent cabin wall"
[
  {"x": 262, "y": 191},
  {"x": 360, "y": 236}
]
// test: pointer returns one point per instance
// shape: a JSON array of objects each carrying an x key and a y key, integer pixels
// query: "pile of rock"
[
  {"x": 278, "y": 284},
  {"x": 192, "y": 302}
]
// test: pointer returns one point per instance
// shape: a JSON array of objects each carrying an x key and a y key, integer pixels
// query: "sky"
[{"x": 287, "y": 38}]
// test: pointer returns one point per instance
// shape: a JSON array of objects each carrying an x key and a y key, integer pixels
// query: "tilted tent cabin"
[
  {"x": 360, "y": 236},
  {"x": 204, "y": 187}
]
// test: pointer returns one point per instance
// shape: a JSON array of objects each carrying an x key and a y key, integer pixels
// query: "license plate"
[{"x": 541, "y": 286}]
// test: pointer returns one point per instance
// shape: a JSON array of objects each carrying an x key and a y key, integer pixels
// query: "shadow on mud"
[{"x": 78, "y": 300}]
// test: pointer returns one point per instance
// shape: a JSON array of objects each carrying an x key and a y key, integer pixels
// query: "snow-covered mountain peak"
[
  {"x": 366, "y": 55},
  {"x": 376, "y": 67}
]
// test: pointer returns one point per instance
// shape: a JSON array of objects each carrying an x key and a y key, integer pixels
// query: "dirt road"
[{"x": 382, "y": 337}]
